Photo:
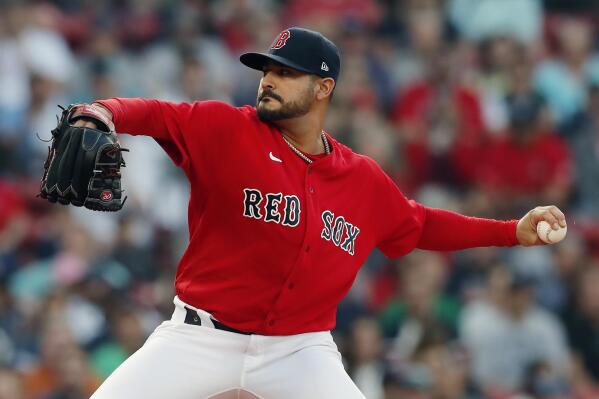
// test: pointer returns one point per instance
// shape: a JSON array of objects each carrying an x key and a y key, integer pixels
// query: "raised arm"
[
  {"x": 132, "y": 115},
  {"x": 404, "y": 225},
  {"x": 181, "y": 129},
  {"x": 149, "y": 117},
  {"x": 448, "y": 231}
]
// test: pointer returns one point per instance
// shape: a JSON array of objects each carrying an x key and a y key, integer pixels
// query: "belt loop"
[
  {"x": 178, "y": 315},
  {"x": 179, "y": 312},
  {"x": 206, "y": 321}
]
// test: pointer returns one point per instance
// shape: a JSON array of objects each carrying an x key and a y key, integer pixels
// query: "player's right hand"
[{"x": 526, "y": 230}]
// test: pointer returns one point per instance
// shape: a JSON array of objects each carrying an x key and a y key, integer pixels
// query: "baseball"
[{"x": 548, "y": 235}]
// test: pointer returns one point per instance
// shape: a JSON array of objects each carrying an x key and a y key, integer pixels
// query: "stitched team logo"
[
  {"x": 281, "y": 40},
  {"x": 278, "y": 208},
  {"x": 339, "y": 231},
  {"x": 106, "y": 196}
]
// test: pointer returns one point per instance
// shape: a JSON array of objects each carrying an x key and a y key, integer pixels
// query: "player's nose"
[{"x": 267, "y": 81}]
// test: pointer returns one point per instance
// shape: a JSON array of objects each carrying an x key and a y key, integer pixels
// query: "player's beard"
[{"x": 287, "y": 110}]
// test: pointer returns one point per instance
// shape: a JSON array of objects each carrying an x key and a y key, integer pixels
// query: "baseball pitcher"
[{"x": 281, "y": 217}]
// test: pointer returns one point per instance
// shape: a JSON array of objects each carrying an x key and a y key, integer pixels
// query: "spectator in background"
[
  {"x": 518, "y": 165},
  {"x": 51, "y": 64},
  {"x": 358, "y": 102},
  {"x": 569, "y": 258},
  {"x": 571, "y": 6},
  {"x": 447, "y": 366},
  {"x": 132, "y": 251},
  {"x": 469, "y": 273},
  {"x": 539, "y": 265},
  {"x": 12, "y": 223},
  {"x": 583, "y": 137},
  {"x": 105, "y": 67},
  {"x": 581, "y": 320},
  {"x": 424, "y": 22},
  {"x": 583, "y": 323},
  {"x": 74, "y": 379},
  {"x": 325, "y": 15},
  {"x": 480, "y": 19},
  {"x": 435, "y": 370},
  {"x": 376, "y": 139},
  {"x": 366, "y": 75},
  {"x": 41, "y": 118},
  {"x": 44, "y": 377},
  {"x": 408, "y": 382},
  {"x": 126, "y": 337},
  {"x": 194, "y": 83},
  {"x": 365, "y": 364},
  {"x": 14, "y": 77},
  {"x": 542, "y": 382},
  {"x": 11, "y": 385},
  {"x": 440, "y": 124},
  {"x": 30, "y": 44},
  {"x": 507, "y": 334},
  {"x": 564, "y": 80},
  {"x": 498, "y": 56},
  {"x": 420, "y": 303},
  {"x": 34, "y": 282},
  {"x": 102, "y": 81}
]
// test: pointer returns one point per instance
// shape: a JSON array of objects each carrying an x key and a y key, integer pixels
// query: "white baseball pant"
[{"x": 183, "y": 361}]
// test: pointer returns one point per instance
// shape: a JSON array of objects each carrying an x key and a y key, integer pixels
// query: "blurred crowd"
[{"x": 486, "y": 107}]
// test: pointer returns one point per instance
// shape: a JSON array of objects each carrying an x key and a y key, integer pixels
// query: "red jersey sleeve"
[
  {"x": 398, "y": 221},
  {"x": 403, "y": 225},
  {"x": 449, "y": 231},
  {"x": 177, "y": 127}
]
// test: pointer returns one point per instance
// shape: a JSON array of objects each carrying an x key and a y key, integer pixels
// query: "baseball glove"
[{"x": 83, "y": 164}]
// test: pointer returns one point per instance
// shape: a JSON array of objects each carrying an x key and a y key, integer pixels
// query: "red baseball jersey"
[{"x": 275, "y": 242}]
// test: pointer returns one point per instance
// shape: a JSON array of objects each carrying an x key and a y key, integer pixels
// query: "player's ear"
[{"x": 324, "y": 87}]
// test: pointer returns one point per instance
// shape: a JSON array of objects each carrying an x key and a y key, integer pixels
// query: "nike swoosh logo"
[{"x": 273, "y": 157}]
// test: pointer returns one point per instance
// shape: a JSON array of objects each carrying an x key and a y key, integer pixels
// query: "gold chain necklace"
[{"x": 325, "y": 142}]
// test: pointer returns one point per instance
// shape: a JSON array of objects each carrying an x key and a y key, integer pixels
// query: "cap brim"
[{"x": 258, "y": 60}]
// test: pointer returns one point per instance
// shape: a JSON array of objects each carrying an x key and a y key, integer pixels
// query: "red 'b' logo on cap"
[{"x": 281, "y": 40}]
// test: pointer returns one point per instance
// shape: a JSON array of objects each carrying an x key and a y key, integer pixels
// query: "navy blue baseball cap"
[{"x": 302, "y": 49}]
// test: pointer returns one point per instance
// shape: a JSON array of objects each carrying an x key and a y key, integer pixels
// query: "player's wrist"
[{"x": 94, "y": 112}]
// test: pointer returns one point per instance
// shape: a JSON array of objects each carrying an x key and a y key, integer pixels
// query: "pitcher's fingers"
[
  {"x": 544, "y": 213},
  {"x": 559, "y": 215}
]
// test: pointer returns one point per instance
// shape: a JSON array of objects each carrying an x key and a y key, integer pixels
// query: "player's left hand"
[{"x": 526, "y": 231}]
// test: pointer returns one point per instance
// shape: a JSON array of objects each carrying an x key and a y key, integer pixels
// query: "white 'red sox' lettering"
[
  {"x": 269, "y": 212},
  {"x": 339, "y": 231}
]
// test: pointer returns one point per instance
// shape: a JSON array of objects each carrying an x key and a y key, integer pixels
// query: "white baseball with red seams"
[{"x": 548, "y": 235}]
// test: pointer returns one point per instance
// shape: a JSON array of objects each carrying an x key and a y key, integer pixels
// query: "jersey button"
[
  {"x": 307, "y": 248},
  {"x": 291, "y": 286},
  {"x": 311, "y": 190},
  {"x": 309, "y": 170},
  {"x": 271, "y": 323}
]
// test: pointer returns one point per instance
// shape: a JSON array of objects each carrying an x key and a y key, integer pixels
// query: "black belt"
[{"x": 193, "y": 318}]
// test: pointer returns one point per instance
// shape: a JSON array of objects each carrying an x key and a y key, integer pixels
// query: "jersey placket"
[{"x": 288, "y": 289}]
